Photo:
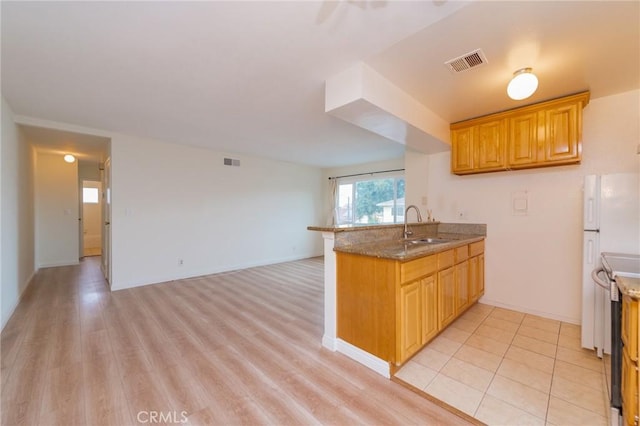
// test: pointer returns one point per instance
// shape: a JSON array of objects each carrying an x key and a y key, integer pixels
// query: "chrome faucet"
[{"x": 407, "y": 233}]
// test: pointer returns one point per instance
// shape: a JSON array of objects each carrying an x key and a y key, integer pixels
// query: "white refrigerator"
[{"x": 611, "y": 223}]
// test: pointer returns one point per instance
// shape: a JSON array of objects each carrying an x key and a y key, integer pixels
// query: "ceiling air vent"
[
  {"x": 467, "y": 61},
  {"x": 231, "y": 162}
]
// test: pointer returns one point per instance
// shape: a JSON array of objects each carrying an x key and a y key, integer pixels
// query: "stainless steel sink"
[{"x": 429, "y": 241}]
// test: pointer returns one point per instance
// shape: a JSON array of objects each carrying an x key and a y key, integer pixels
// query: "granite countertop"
[
  {"x": 629, "y": 286},
  {"x": 352, "y": 227},
  {"x": 406, "y": 250}
]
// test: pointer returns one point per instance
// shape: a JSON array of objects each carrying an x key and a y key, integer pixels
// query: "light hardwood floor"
[{"x": 234, "y": 348}]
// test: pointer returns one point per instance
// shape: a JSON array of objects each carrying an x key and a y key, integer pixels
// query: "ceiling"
[
  {"x": 248, "y": 77},
  {"x": 87, "y": 148}
]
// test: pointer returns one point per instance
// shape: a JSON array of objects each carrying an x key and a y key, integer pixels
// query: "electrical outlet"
[{"x": 180, "y": 262}]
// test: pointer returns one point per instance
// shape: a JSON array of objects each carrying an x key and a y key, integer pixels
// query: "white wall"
[
  {"x": 17, "y": 263},
  {"x": 173, "y": 202},
  {"x": 378, "y": 166},
  {"x": 57, "y": 229},
  {"x": 416, "y": 173},
  {"x": 89, "y": 170},
  {"x": 533, "y": 262}
]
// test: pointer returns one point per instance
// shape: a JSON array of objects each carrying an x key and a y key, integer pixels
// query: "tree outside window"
[{"x": 371, "y": 201}]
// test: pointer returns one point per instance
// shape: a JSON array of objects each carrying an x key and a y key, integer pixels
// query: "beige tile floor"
[{"x": 509, "y": 368}]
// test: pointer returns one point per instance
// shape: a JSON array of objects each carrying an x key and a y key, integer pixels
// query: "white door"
[
  {"x": 106, "y": 217},
  {"x": 80, "y": 222}
]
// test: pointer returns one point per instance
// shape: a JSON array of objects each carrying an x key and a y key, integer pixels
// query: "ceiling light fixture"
[
  {"x": 69, "y": 158},
  {"x": 523, "y": 84}
]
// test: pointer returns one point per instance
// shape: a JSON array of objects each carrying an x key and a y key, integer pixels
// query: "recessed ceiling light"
[{"x": 69, "y": 158}]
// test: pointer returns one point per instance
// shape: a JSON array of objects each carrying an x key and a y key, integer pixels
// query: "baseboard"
[
  {"x": 530, "y": 311},
  {"x": 203, "y": 272},
  {"x": 56, "y": 264},
  {"x": 365, "y": 358},
  {"x": 329, "y": 343},
  {"x": 19, "y": 299}
]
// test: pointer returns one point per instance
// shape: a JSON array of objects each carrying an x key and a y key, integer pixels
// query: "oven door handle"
[{"x": 595, "y": 276}]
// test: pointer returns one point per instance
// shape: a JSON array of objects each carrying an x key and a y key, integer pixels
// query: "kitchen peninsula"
[{"x": 386, "y": 296}]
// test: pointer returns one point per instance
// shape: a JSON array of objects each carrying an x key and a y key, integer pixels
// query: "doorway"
[{"x": 91, "y": 218}]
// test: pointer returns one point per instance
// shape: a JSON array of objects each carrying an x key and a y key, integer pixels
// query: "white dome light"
[
  {"x": 69, "y": 158},
  {"x": 523, "y": 84}
]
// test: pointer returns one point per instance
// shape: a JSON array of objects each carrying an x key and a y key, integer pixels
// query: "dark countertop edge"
[
  {"x": 349, "y": 228},
  {"x": 629, "y": 286},
  {"x": 385, "y": 247}
]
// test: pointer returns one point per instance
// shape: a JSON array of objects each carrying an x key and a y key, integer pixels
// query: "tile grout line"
[
  {"x": 484, "y": 394},
  {"x": 553, "y": 374}
]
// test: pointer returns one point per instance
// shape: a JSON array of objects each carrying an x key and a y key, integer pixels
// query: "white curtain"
[{"x": 332, "y": 195}]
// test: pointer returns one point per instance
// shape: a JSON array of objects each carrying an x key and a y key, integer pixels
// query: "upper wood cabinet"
[
  {"x": 562, "y": 132},
  {"x": 539, "y": 135},
  {"x": 491, "y": 143},
  {"x": 523, "y": 140},
  {"x": 462, "y": 149}
]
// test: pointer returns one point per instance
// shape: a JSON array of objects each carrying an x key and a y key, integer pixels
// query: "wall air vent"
[{"x": 467, "y": 61}]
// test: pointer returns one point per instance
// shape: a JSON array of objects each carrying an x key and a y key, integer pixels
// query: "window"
[
  {"x": 370, "y": 201},
  {"x": 90, "y": 195}
]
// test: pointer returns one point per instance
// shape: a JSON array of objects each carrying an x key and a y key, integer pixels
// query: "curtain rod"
[{"x": 370, "y": 173}]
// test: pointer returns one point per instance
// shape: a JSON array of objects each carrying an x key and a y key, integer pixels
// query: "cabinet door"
[
  {"x": 462, "y": 150},
  {"x": 480, "y": 276},
  {"x": 462, "y": 286},
  {"x": 523, "y": 139},
  {"x": 491, "y": 149},
  {"x": 473, "y": 279},
  {"x": 429, "y": 308},
  {"x": 562, "y": 139},
  {"x": 629, "y": 390},
  {"x": 476, "y": 277},
  {"x": 630, "y": 326},
  {"x": 446, "y": 297},
  {"x": 410, "y": 319}
]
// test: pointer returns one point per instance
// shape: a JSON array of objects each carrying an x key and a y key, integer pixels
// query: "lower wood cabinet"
[
  {"x": 630, "y": 326},
  {"x": 446, "y": 297},
  {"x": 410, "y": 323},
  {"x": 476, "y": 277},
  {"x": 630, "y": 384},
  {"x": 629, "y": 390},
  {"x": 429, "y": 316},
  {"x": 418, "y": 310},
  {"x": 462, "y": 286},
  {"x": 391, "y": 309}
]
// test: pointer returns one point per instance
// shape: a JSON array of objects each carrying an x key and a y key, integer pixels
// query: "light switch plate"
[{"x": 520, "y": 203}]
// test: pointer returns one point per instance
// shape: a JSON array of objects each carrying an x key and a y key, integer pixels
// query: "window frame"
[
  {"x": 354, "y": 180},
  {"x": 85, "y": 199}
]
